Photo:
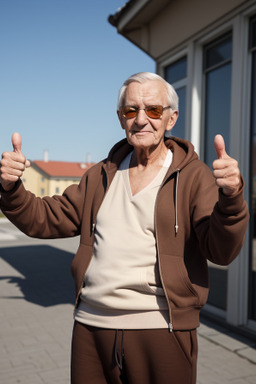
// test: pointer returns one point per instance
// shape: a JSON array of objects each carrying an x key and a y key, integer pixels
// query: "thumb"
[
  {"x": 219, "y": 145},
  {"x": 16, "y": 142}
]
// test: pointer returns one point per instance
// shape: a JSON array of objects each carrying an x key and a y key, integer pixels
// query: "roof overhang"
[{"x": 132, "y": 20}]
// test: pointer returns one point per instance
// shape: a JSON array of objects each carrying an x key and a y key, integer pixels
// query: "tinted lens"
[
  {"x": 129, "y": 112},
  {"x": 154, "y": 111}
]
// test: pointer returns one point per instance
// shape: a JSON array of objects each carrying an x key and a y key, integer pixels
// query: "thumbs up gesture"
[
  {"x": 225, "y": 169},
  {"x": 13, "y": 164}
]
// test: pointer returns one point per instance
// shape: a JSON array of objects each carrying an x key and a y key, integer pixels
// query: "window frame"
[
  {"x": 238, "y": 22},
  {"x": 250, "y": 52},
  {"x": 180, "y": 83}
]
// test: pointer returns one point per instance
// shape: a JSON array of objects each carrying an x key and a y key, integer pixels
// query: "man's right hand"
[{"x": 13, "y": 164}]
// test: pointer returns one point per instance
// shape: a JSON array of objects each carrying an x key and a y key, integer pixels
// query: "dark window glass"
[
  {"x": 252, "y": 41},
  {"x": 173, "y": 74},
  {"x": 217, "y": 70},
  {"x": 176, "y": 71},
  {"x": 179, "y": 128},
  {"x": 217, "y": 107},
  {"x": 217, "y": 54},
  {"x": 252, "y": 270}
]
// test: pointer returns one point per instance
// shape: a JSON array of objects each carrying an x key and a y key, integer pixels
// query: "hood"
[{"x": 183, "y": 153}]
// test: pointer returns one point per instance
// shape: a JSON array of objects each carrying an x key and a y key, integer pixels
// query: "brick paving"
[{"x": 36, "y": 318}]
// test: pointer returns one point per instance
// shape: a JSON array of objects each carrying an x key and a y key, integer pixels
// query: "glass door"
[
  {"x": 217, "y": 67},
  {"x": 252, "y": 269}
]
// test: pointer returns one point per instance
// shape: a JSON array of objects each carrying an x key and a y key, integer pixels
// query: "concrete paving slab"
[
  {"x": 248, "y": 353},
  {"x": 36, "y": 324}
]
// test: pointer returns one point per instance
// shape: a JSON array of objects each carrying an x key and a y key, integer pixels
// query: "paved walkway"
[{"x": 36, "y": 306}]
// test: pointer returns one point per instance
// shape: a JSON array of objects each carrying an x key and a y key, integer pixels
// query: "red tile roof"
[{"x": 62, "y": 168}]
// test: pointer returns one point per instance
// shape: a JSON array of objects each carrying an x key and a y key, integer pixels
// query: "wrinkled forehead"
[{"x": 147, "y": 93}]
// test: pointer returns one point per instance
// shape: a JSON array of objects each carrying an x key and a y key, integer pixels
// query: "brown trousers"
[{"x": 106, "y": 356}]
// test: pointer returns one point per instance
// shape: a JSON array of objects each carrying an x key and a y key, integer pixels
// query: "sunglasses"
[{"x": 152, "y": 111}]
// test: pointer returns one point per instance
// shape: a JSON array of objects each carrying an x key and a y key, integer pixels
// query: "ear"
[
  {"x": 121, "y": 119},
  {"x": 172, "y": 120}
]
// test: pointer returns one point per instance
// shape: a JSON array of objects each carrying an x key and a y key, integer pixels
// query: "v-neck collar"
[{"x": 156, "y": 182}]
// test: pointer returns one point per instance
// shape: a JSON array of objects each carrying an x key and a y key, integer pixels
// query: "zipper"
[
  {"x": 170, "y": 325},
  {"x": 92, "y": 234},
  {"x": 81, "y": 286}
]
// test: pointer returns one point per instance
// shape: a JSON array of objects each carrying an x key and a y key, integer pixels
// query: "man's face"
[{"x": 141, "y": 130}]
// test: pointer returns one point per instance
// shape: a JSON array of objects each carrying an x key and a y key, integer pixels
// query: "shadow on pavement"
[{"x": 47, "y": 278}]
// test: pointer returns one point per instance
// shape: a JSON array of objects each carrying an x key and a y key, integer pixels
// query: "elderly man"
[{"x": 149, "y": 217}]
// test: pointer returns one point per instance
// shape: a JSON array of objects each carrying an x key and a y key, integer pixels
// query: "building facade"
[
  {"x": 48, "y": 178},
  {"x": 207, "y": 51}
]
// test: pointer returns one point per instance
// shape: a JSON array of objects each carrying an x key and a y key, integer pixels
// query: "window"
[
  {"x": 176, "y": 74},
  {"x": 42, "y": 191},
  {"x": 217, "y": 70},
  {"x": 252, "y": 270},
  {"x": 42, "y": 179},
  {"x": 217, "y": 65},
  {"x": 57, "y": 190}
]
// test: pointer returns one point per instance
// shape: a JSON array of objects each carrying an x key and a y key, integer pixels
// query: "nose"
[{"x": 141, "y": 117}]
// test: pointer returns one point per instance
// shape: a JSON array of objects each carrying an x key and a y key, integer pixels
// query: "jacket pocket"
[
  {"x": 151, "y": 282},
  {"x": 80, "y": 264},
  {"x": 179, "y": 288}
]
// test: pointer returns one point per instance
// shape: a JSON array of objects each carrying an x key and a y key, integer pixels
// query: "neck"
[{"x": 149, "y": 157}]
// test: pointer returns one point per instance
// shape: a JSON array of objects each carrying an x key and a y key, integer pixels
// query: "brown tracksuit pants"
[{"x": 106, "y": 356}]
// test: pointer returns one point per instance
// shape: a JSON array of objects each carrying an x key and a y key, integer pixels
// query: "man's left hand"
[{"x": 225, "y": 169}]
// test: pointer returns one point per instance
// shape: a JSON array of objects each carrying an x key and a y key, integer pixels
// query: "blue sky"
[{"x": 62, "y": 65}]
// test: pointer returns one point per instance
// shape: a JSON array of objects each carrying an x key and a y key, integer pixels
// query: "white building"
[{"x": 207, "y": 50}]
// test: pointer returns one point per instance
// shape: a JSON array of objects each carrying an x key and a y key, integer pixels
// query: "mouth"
[{"x": 141, "y": 133}]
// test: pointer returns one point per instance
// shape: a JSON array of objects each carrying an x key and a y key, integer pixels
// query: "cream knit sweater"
[{"x": 122, "y": 285}]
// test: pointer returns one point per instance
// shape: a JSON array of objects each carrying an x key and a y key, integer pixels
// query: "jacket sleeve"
[
  {"x": 48, "y": 217},
  {"x": 219, "y": 221}
]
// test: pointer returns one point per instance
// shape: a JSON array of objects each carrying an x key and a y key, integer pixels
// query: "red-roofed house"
[{"x": 47, "y": 178}]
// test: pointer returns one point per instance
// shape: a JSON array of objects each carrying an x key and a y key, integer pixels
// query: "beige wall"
[
  {"x": 60, "y": 184},
  {"x": 176, "y": 23},
  {"x": 36, "y": 182}
]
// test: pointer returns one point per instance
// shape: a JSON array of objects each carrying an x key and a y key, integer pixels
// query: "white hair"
[{"x": 142, "y": 77}]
